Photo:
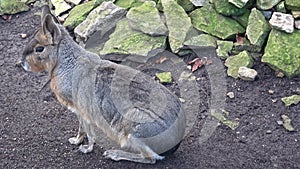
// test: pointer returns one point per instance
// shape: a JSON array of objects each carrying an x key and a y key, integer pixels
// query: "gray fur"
[{"x": 130, "y": 107}]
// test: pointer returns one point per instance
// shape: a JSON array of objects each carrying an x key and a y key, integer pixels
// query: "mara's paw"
[
  {"x": 111, "y": 154},
  {"x": 86, "y": 148},
  {"x": 75, "y": 140}
]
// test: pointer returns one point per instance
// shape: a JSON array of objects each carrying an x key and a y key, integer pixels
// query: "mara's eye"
[{"x": 39, "y": 49}]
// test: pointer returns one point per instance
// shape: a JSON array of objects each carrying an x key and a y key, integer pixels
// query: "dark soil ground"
[{"x": 35, "y": 128}]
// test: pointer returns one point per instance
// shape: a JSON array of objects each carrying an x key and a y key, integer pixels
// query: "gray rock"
[
  {"x": 258, "y": 28},
  {"x": 60, "y": 6},
  {"x": 297, "y": 24},
  {"x": 247, "y": 73},
  {"x": 281, "y": 21},
  {"x": 103, "y": 18},
  {"x": 230, "y": 95},
  {"x": 267, "y": 14},
  {"x": 178, "y": 23},
  {"x": 146, "y": 18},
  {"x": 124, "y": 40},
  {"x": 266, "y": 4}
]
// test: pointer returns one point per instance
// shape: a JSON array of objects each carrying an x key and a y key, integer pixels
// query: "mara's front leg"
[
  {"x": 80, "y": 135},
  {"x": 85, "y": 130},
  {"x": 88, "y": 128}
]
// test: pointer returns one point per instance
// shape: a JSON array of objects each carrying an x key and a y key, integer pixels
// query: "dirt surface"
[{"x": 35, "y": 128}]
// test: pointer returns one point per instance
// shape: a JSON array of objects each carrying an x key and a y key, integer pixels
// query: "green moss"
[
  {"x": 164, "y": 77},
  {"x": 79, "y": 13}
]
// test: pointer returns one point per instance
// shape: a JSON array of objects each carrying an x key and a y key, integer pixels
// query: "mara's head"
[{"x": 40, "y": 53}]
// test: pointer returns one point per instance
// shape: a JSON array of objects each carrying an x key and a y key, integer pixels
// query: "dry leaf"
[
  {"x": 198, "y": 63},
  {"x": 239, "y": 39},
  {"x": 161, "y": 59},
  {"x": 7, "y": 17}
]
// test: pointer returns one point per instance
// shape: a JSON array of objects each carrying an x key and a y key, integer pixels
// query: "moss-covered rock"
[
  {"x": 146, "y": 18},
  {"x": 187, "y": 5},
  {"x": 203, "y": 40},
  {"x": 294, "y": 99},
  {"x": 79, "y": 13},
  {"x": 258, "y": 29},
  {"x": 280, "y": 7},
  {"x": 282, "y": 52},
  {"x": 224, "y": 48},
  {"x": 243, "y": 19},
  {"x": 245, "y": 46},
  {"x": 266, "y": 4},
  {"x": 239, "y": 3},
  {"x": 206, "y": 19},
  {"x": 124, "y": 40},
  {"x": 235, "y": 62},
  {"x": 292, "y": 4},
  {"x": 178, "y": 23},
  {"x": 127, "y": 4},
  {"x": 226, "y": 8},
  {"x": 12, "y": 6}
]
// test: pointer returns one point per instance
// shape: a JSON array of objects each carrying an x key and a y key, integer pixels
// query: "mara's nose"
[{"x": 24, "y": 64}]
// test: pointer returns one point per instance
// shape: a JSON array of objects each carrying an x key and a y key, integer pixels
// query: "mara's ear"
[
  {"x": 45, "y": 11},
  {"x": 51, "y": 29}
]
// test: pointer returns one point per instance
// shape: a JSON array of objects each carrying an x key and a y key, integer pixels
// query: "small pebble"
[
  {"x": 274, "y": 100},
  {"x": 23, "y": 35},
  {"x": 181, "y": 100},
  {"x": 269, "y": 131},
  {"x": 279, "y": 74},
  {"x": 279, "y": 122},
  {"x": 271, "y": 91},
  {"x": 230, "y": 95}
]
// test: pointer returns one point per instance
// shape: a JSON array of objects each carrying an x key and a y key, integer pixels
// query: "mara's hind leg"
[
  {"x": 145, "y": 155},
  {"x": 80, "y": 135}
]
